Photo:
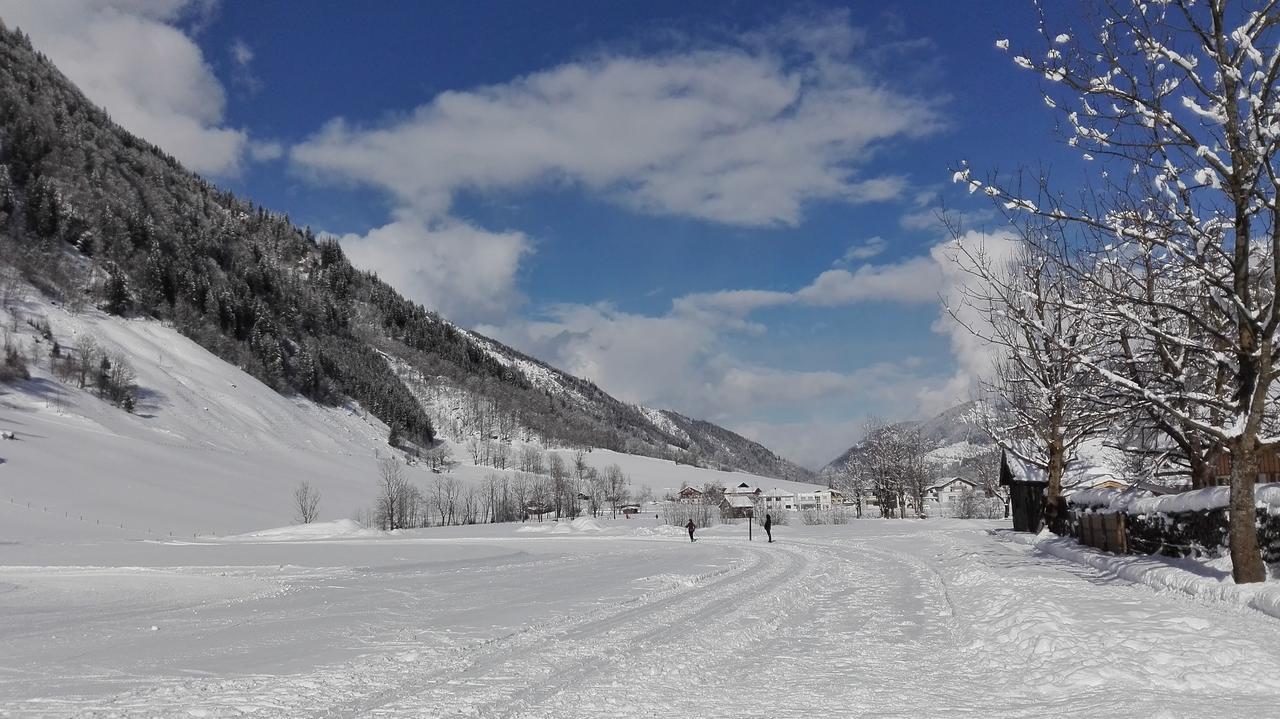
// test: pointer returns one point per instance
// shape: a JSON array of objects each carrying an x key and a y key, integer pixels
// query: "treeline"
[{"x": 544, "y": 486}]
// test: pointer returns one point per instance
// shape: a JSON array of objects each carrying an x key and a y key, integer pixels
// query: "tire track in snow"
[
  {"x": 537, "y": 661},
  {"x": 648, "y": 637}
]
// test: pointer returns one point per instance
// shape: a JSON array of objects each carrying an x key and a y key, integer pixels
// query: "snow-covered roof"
[
  {"x": 1020, "y": 471},
  {"x": 738, "y": 501},
  {"x": 1141, "y": 501},
  {"x": 943, "y": 483}
]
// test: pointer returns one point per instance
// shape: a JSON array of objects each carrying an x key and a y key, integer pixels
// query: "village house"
[
  {"x": 736, "y": 506},
  {"x": 781, "y": 500},
  {"x": 689, "y": 495},
  {"x": 941, "y": 498},
  {"x": 1268, "y": 467}
]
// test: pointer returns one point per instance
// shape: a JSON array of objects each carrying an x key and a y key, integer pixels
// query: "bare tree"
[
  {"x": 86, "y": 358},
  {"x": 560, "y": 490},
  {"x": 440, "y": 457},
  {"x": 306, "y": 500},
  {"x": 852, "y": 481},
  {"x": 444, "y": 497},
  {"x": 500, "y": 455},
  {"x": 393, "y": 494},
  {"x": 469, "y": 505},
  {"x": 1043, "y": 402},
  {"x": 1175, "y": 104}
]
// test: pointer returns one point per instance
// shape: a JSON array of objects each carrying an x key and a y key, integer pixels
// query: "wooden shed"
[{"x": 1026, "y": 493}]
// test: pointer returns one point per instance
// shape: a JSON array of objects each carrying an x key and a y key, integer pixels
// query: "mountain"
[
  {"x": 94, "y": 216},
  {"x": 952, "y": 442}
]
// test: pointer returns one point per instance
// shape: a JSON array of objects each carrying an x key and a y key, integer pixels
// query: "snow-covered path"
[{"x": 877, "y": 618}]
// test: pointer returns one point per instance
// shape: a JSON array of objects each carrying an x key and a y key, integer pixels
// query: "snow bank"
[
  {"x": 303, "y": 532},
  {"x": 662, "y": 530},
  {"x": 581, "y": 524},
  {"x": 1132, "y": 501},
  {"x": 1206, "y": 580}
]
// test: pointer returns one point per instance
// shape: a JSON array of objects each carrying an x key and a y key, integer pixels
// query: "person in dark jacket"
[
  {"x": 691, "y": 526},
  {"x": 768, "y": 526}
]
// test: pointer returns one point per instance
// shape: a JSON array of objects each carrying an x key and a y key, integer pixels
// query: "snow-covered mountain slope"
[
  {"x": 91, "y": 213},
  {"x": 462, "y": 410},
  {"x": 951, "y": 441},
  {"x": 209, "y": 449}
]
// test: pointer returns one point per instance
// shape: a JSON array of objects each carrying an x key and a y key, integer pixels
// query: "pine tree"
[{"x": 118, "y": 297}]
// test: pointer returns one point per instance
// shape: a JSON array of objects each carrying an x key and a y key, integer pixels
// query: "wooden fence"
[{"x": 1102, "y": 531}]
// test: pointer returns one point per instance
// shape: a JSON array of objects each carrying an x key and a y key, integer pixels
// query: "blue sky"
[{"x": 727, "y": 209}]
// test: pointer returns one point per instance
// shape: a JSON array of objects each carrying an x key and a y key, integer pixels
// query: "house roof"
[
  {"x": 1021, "y": 472},
  {"x": 952, "y": 480},
  {"x": 738, "y": 501}
]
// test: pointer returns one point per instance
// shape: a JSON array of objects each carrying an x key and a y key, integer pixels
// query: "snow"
[
  {"x": 873, "y": 618},
  {"x": 662, "y": 422},
  {"x": 1205, "y": 579},
  {"x": 302, "y": 532},
  {"x": 116, "y": 601},
  {"x": 1200, "y": 500},
  {"x": 959, "y": 451},
  {"x": 211, "y": 450},
  {"x": 1093, "y": 464}
]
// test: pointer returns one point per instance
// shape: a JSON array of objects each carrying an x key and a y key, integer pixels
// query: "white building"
[
  {"x": 942, "y": 497},
  {"x": 781, "y": 500}
]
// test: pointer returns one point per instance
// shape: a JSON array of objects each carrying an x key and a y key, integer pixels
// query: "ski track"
[{"x": 900, "y": 621}]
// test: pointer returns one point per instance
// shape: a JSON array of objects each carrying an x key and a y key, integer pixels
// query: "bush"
[
  {"x": 679, "y": 513},
  {"x": 780, "y": 517},
  {"x": 835, "y": 515}
]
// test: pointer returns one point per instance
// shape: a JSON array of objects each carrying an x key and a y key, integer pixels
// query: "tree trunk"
[
  {"x": 1242, "y": 533},
  {"x": 1053, "y": 492},
  {"x": 1202, "y": 474}
]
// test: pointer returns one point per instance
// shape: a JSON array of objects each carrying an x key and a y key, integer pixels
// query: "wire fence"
[{"x": 74, "y": 516}]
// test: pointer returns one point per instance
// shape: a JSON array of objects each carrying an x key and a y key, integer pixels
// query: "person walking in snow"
[
  {"x": 691, "y": 526},
  {"x": 768, "y": 526}
]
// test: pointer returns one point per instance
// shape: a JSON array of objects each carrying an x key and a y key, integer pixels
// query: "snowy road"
[{"x": 877, "y": 618}]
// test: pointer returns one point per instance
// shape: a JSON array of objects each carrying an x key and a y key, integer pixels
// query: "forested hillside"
[{"x": 91, "y": 214}]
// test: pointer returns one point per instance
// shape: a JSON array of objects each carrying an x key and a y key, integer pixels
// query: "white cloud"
[
  {"x": 864, "y": 250},
  {"x": 910, "y": 281},
  {"x": 130, "y": 57},
  {"x": 742, "y": 135},
  {"x": 466, "y": 273},
  {"x": 242, "y": 59},
  {"x": 926, "y": 219},
  {"x": 974, "y": 358},
  {"x": 263, "y": 151},
  {"x": 636, "y": 358},
  {"x": 914, "y": 280},
  {"x": 810, "y": 443},
  {"x": 241, "y": 53}
]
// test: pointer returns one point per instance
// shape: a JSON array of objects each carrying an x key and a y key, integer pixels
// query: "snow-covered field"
[
  {"x": 111, "y": 606},
  {"x": 617, "y": 618}
]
